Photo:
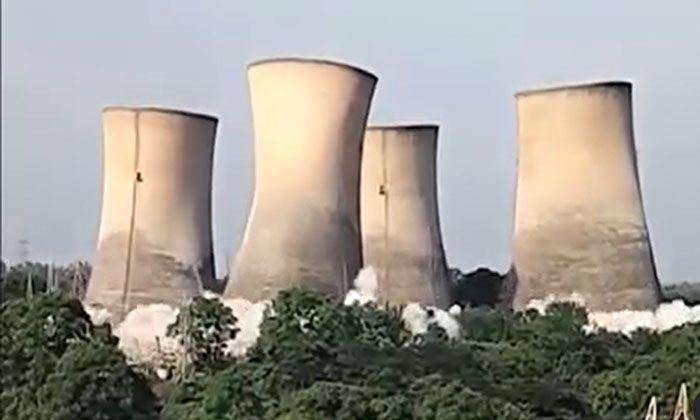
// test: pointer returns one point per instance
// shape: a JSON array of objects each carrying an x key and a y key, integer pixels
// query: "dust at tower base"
[
  {"x": 155, "y": 238},
  {"x": 399, "y": 215},
  {"x": 579, "y": 222},
  {"x": 309, "y": 118}
]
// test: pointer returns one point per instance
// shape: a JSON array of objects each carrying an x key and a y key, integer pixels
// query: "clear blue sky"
[{"x": 454, "y": 62}]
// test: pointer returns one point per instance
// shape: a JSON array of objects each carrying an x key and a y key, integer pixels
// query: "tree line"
[{"x": 319, "y": 359}]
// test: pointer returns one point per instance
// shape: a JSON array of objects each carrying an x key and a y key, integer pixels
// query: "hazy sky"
[{"x": 457, "y": 63}]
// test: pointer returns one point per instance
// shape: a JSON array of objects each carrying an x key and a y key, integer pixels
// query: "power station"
[
  {"x": 155, "y": 234},
  {"x": 309, "y": 117},
  {"x": 399, "y": 215},
  {"x": 579, "y": 221}
]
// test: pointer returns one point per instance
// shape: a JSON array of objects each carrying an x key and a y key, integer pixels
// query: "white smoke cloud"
[
  {"x": 415, "y": 317},
  {"x": 365, "y": 287},
  {"x": 142, "y": 335},
  {"x": 667, "y": 316},
  {"x": 455, "y": 310},
  {"x": 541, "y": 305},
  {"x": 98, "y": 315},
  {"x": 249, "y": 316},
  {"x": 664, "y": 318}
]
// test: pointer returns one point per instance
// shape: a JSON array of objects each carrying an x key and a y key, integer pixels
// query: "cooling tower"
[
  {"x": 155, "y": 240},
  {"x": 579, "y": 222},
  {"x": 309, "y": 117},
  {"x": 399, "y": 215}
]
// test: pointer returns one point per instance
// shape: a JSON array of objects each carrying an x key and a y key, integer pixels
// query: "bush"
[
  {"x": 203, "y": 328},
  {"x": 57, "y": 365}
]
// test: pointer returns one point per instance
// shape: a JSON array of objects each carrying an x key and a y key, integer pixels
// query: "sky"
[{"x": 457, "y": 63}]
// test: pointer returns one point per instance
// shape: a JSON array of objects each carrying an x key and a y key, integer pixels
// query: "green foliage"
[
  {"x": 21, "y": 280},
  {"x": 666, "y": 361},
  {"x": 92, "y": 380},
  {"x": 57, "y": 365},
  {"x": 15, "y": 280},
  {"x": 319, "y": 359},
  {"x": 302, "y": 318},
  {"x": 203, "y": 328}
]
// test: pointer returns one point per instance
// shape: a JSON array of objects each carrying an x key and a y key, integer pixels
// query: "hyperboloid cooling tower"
[
  {"x": 399, "y": 215},
  {"x": 579, "y": 222},
  {"x": 309, "y": 117},
  {"x": 155, "y": 239}
]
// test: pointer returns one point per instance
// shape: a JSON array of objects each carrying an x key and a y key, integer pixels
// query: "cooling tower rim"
[
  {"x": 160, "y": 110},
  {"x": 314, "y": 60},
  {"x": 577, "y": 86},
  {"x": 402, "y": 126}
]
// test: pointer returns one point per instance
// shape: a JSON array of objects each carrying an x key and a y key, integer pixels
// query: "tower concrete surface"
[
  {"x": 155, "y": 234},
  {"x": 309, "y": 117},
  {"x": 579, "y": 221},
  {"x": 399, "y": 215}
]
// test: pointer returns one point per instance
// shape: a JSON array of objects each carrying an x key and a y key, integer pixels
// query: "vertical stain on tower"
[
  {"x": 132, "y": 222},
  {"x": 579, "y": 220}
]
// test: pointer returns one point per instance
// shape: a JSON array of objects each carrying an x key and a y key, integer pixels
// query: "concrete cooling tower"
[
  {"x": 399, "y": 215},
  {"x": 155, "y": 238},
  {"x": 579, "y": 222},
  {"x": 309, "y": 117}
]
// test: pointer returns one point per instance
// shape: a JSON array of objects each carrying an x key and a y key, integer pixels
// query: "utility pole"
[{"x": 51, "y": 285}]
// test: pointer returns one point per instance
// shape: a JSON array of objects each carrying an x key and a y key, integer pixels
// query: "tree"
[
  {"x": 15, "y": 280},
  {"x": 56, "y": 365},
  {"x": 319, "y": 359},
  {"x": 687, "y": 292},
  {"x": 203, "y": 329},
  {"x": 72, "y": 279},
  {"x": 481, "y": 287},
  {"x": 92, "y": 380}
]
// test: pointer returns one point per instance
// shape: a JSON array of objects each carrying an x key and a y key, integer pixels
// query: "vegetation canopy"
[{"x": 317, "y": 358}]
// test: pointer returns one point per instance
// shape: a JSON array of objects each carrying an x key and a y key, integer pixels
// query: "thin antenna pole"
[
  {"x": 23, "y": 246},
  {"x": 30, "y": 285},
  {"x": 50, "y": 278}
]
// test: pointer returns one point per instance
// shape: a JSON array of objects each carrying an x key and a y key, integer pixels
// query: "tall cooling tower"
[
  {"x": 309, "y": 117},
  {"x": 155, "y": 239},
  {"x": 579, "y": 222},
  {"x": 399, "y": 215}
]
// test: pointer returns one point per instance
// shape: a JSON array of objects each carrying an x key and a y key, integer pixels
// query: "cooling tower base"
[
  {"x": 608, "y": 264},
  {"x": 153, "y": 277}
]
